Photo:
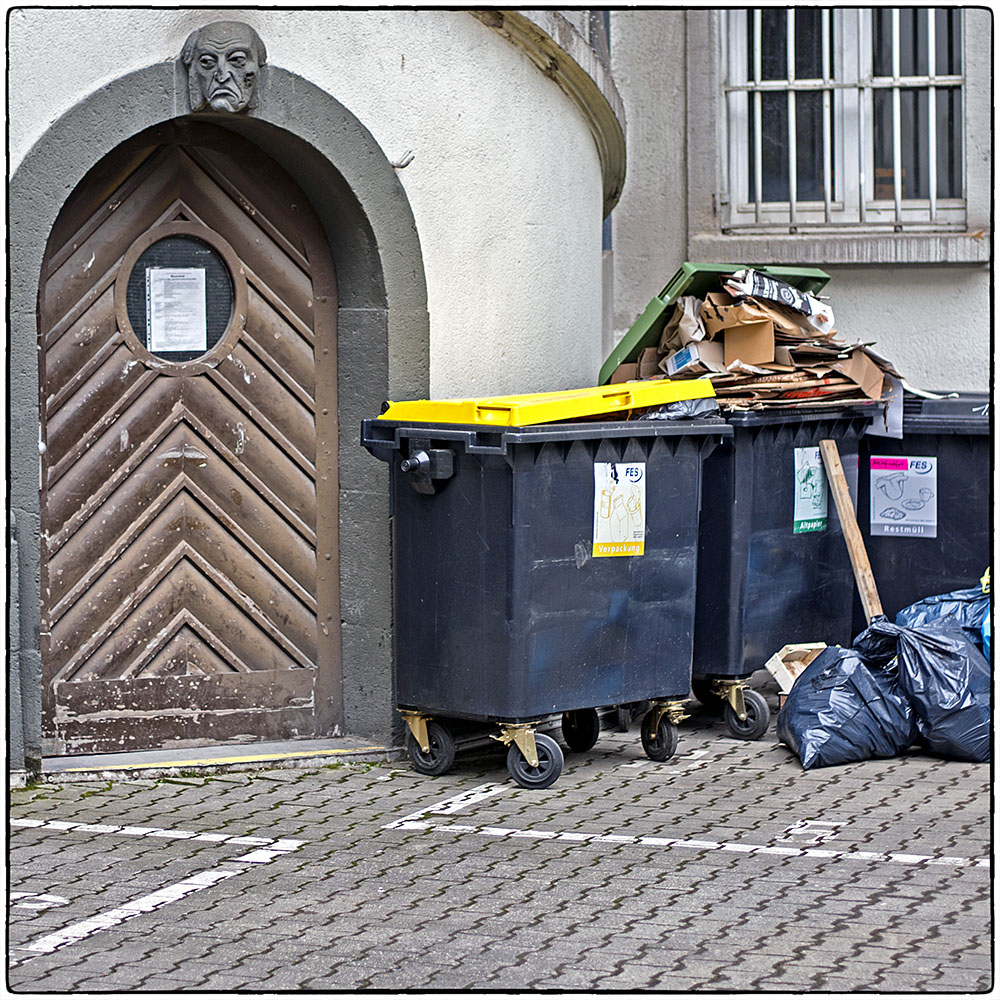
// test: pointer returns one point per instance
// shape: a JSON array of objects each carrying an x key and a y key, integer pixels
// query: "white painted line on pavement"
[
  {"x": 812, "y": 831},
  {"x": 282, "y": 845},
  {"x": 111, "y": 918},
  {"x": 35, "y": 900},
  {"x": 450, "y": 805},
  {"x": 270, "y": 849},
  {"x": 894, "y": 858}
]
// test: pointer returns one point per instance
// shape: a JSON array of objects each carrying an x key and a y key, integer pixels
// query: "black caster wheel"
[
  {"x": 581, "y": 729},
  {"x": 755, "y": 724},
  {"x": 550, "y": 763},
  {"x": 440, "y": 753},
  {"x": 701, "y": 688},
  {"x": 662, "y": 744},
  {"x": 624, "y": 718}
]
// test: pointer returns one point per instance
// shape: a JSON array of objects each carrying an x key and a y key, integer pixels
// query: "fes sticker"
[
  {"x": 903, "y": 496},
  {"x": 810, "y": 491},
  {"x": 619, "y": 508}
]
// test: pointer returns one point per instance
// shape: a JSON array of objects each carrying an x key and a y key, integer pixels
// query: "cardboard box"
[
  {"x": 627, "y": 372},
  {"x": 694, "y": 359},
  {"x": 790, "y": 661},
  {"x": 751, "y": 343},
  {"x": 714, "y": 311},
  {"x": 649, "y": 362},
  {"x": 786, "y": 323},
  {"x": 747, "y": 328},
  {"x": 860, "y": 369}
]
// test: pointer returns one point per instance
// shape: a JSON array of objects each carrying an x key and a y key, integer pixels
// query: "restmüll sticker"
[{"x": 903, "y": 496}]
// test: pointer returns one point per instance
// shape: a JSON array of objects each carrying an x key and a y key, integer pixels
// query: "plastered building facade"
[{"x": 423, "y": 203}]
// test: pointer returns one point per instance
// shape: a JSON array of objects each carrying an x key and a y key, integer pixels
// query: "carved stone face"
[{"x": 222, "y": 61}]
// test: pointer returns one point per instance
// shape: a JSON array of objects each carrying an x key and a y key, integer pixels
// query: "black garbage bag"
[
  {"x": 945, "y": 678},
  {"x": 842, "y": 710},
  {"x": 683, "y": 409},
  {"x": 879, "y": 643},
  {"x": 966, "y": 609}
]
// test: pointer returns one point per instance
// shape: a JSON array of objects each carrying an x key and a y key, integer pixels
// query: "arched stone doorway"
[{"x": 382, "y": 342}]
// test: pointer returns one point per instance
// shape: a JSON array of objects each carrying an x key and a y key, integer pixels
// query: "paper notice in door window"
[
  {"x": 175, "y": 309},
  {"x": 619, "y": 508}
]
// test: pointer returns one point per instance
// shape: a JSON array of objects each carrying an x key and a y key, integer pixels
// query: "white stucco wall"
[
  {"x": 505, "y": 182},
  {"x": 650, "y": 221},
  {"x": 933, "y": 323}
]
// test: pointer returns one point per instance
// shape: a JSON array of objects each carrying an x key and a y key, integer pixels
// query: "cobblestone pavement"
[{"x": 727, "y": 868}]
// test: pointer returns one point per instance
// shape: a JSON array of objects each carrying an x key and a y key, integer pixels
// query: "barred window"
[{"x": 844, "y": 118}]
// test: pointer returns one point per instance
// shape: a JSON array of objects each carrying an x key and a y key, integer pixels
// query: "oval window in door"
[{"x": 180, "y": 298}]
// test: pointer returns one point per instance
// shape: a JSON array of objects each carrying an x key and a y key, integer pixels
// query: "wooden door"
[{"x": 188, "y": 477}]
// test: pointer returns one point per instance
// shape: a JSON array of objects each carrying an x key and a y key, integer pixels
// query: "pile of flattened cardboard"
[{"x": 764, "y": 344}]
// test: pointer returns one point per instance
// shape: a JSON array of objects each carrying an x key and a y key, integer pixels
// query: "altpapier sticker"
[
  {"x": 903, "y": 496},
  {"x": 810, "y": 492},
  {"x": 619, "y": 508},
  {"x": 176, "y": 309}
]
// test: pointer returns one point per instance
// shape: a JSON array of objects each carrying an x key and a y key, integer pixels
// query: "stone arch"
[{"x": 383, "y": 336}]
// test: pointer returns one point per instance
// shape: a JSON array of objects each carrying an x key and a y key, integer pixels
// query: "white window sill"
[{"x": 843, "y": 248}]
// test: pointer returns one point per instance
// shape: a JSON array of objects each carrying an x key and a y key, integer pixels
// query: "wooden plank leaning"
[{"x": 863, "y": 575}]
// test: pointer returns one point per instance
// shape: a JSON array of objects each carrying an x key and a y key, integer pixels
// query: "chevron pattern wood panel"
[{"x": 179, "y": 510}]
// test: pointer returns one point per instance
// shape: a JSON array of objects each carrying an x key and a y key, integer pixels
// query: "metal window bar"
[
  {"x": 864, "y": 98},
  {"x": 932, "y": 112},
  {"x": 827, "y": 118},
  {"x": 897, "y": 122},
  {"x": 758, "y": 144},
  {"x": 781, "y": 86},
  {"x": 793, "y": 154}
]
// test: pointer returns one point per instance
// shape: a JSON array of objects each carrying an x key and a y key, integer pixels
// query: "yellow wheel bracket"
[
  {"x": 732, "y": 691},
  {"x": 418, "y": 727},
  {"x": 673, "y": 710},
  {"x": 523, "y": 735}
]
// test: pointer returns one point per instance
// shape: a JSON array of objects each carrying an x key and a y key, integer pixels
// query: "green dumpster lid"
[{"x": 699, "y": 280}]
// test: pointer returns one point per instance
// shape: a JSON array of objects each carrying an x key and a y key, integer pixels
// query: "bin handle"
[
  {"x": 621, "y": 396},
  {"x": 492, "y": 414}
]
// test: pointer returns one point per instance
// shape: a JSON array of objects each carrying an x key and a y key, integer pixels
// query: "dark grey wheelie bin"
[
  {"x": 773, "y": 568},
  {"x": 505, "y": 615},
  {"x": 924, "y": 501}
]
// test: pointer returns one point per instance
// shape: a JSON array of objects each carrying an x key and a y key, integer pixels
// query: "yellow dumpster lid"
[{"x": 546, "y": 407}]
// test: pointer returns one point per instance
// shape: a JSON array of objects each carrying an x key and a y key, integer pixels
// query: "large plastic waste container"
[
  {"x": 924, "y": 501},
  {"x": 773, "y": 568},
  {"x": 540, "y": 570}
]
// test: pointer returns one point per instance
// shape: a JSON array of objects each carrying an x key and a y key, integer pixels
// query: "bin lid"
[
  {"x": 959, "y": 404},
  {"x": 546, "y": 407},
  {"x": 699, "y": 280}
]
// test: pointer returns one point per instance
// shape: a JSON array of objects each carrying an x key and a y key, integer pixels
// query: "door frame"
[{"x": 382, "y": 336}]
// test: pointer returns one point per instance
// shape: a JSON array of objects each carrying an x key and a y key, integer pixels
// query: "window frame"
[{"x": 883, "y": 233}]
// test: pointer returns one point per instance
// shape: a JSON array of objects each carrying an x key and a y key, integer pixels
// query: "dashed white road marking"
[
  {"x": 35, "y": 900},
  {"x": 154, "y": 831},
  {"x": 813, "y": 831},
  {"x": 688, "y": 761},
  {"x": 268, "y": 848},
  {"x": 415, "y": 823},
  {"x": 452, "y": 804}
]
